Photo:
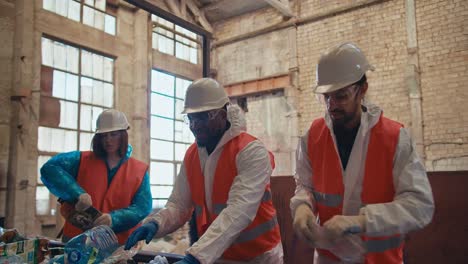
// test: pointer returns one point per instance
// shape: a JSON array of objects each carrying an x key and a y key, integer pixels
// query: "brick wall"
[
  {"x": 380, "y": 29},
  {"x": 443, "y": 55}
]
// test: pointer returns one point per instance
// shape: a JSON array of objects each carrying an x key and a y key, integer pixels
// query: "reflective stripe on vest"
[
  {"x": 328, "y": 181},
  {"x": 92, "y": 177},
  {"x": 263, "y": 232}
]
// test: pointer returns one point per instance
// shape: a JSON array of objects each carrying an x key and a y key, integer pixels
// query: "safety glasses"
[
  {"x": 202, "y": 117},
  {"x": 341, "y": 97}
]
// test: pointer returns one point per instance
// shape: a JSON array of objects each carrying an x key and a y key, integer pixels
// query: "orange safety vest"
[
  {"x": 92, "y": 177},
  {"x": 263, "y": 233},
  {"x": 377, "y": 183}
]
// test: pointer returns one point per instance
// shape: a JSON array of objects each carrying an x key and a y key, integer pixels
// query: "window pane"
[
  {"x": 86, "y": 63},
  {"x": 99, "y": 20},
  {"x": 162, "y": 150},
  {"x": 160, "y": 203},
  {"x": 59, "y": 84},
  {"x": 74, "y": 10},
  {"x": 86, "y": 90},
  {"x": 181, "y": 87},
  {"x": 98, "y": 67},
  {"x": 53, "y": 140},
  {"x": 162, "y": 173},
  {"x": 68, "y": 115},
  {"x": 71, "y": 91},
  {"x": 100, "y": 4},
  {"x": 86, "y": 117},
  {"x": 42, "y": 200},
  {"x": 162, "y": 128},
  {"x": 193, "y": 55},
  {"x": 88, "y": 16},
  {"x": 162, "y": 105},
  {"x": 41, "y": 160},
  {"x": 165, "y": 45},
  {"x": 95, "y": 113},
  {"x": 108, "y": 69},
  {"x": 108, "y": 95},
  {"x": 47, "y": 52},
  {"x": 162, "y": 83},
  {"x": 180, "y": 151},
  {"x": 98, "y": 93},
  {"x": 61, "y": 7},
  {"x": 109, "y": 24},
  {"x": 182, "y": 51},
  {"x": 179, "y": 109},
  {"x": 72, "y": 59},
  {"x": 89, "y": 2},
  {"x": 85, "y": 141},
  {"x": 161, "y": 191},
  {"x": 183, "y": 133},
  {"x": 49, "y": 5},
  {"x": 60, "y": 55}
]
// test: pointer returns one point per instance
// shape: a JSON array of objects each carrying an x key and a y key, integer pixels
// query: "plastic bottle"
[{"x": 92, "y": 246}]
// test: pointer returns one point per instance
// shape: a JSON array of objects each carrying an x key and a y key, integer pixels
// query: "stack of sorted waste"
[{"x": 17, "y": 248}]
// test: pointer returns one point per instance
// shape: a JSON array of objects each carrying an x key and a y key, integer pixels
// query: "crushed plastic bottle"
[
  {"x": 349, "y": 248},
  {"x": 92, "y": 246}
]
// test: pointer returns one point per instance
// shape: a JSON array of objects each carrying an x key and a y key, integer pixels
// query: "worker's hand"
[
  {"x": 305, "y": 224},
  {"x": 188, "y": 259},
  {"x": 84, "y": 202},
  {"x": 146, "y": 232},
  {"x": 340, "y": 225},
  {"x": 104, "y": 219}
]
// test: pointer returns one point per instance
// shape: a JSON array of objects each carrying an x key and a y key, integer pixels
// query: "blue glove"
[
  {"x": 188, "y": 259},
  {"x": 146, "y": 231}
]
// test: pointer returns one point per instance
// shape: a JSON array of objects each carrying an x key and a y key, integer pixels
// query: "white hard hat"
[
  {"x": 111, "y": 120},
  {"x": 339, "y": 67},
  {"x": 203, "y": 95}
]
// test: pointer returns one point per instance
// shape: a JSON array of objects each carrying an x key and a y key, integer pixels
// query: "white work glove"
[
  {"x": 341, "y": 225},
  {"x": 104, "y": 219},
  {"x": 84, "y": 202},
  {"x": 305, "y": 224}
]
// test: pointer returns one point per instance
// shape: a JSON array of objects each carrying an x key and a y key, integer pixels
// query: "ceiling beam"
[
  {"x": 282, "y": 6},
  {"x": 173, "y": 7},
  {"x": 199, "y": 15},
  {"x": 183, "y": 8}
]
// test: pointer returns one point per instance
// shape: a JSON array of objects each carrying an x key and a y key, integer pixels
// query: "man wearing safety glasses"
[
  {"x": 360, "y": 185},
  {"x": 225, "y": 181}
]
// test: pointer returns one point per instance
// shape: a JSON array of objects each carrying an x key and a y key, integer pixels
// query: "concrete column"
[
  {"x": 413, "y": 79},
  {"x": 141, "y": 74},
  {"x": 22, "y": 173}
]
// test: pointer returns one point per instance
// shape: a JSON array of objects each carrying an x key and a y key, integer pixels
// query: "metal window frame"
[
  {"x": 206, "y": 36},
  {"x": 78, "y": 102}
]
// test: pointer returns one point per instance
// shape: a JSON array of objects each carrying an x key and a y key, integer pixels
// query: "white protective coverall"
[
  {"x": 413, "y": 205},
  {"x": 254, "y": 171}
]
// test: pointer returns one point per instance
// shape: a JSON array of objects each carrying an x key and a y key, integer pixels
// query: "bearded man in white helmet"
[
  {"x": 225, "y": 181},
  {"x": 106, "y": 178},
  {"x": 360, "y": 185}
]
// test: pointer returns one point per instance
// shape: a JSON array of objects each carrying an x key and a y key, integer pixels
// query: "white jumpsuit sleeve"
[
  {"x": 254, "y": 171},
  {"x": 413, "y": 205},
  {"x": 178, "y": 209},
  {"x": 303, "y": 177}
]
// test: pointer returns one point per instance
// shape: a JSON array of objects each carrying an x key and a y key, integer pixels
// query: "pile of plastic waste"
[{"x": 96, "y": 245}]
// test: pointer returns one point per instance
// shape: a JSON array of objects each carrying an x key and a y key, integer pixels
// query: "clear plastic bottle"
[{"x": 92, "y": 246}]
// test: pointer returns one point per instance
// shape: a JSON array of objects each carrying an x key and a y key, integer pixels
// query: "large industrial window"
[
  {"x": 175, "y": 40},
  {"x": 170, "y": 136},
  {"x": 76, "y": 86},
  {"x": 94, "y": 13}
]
